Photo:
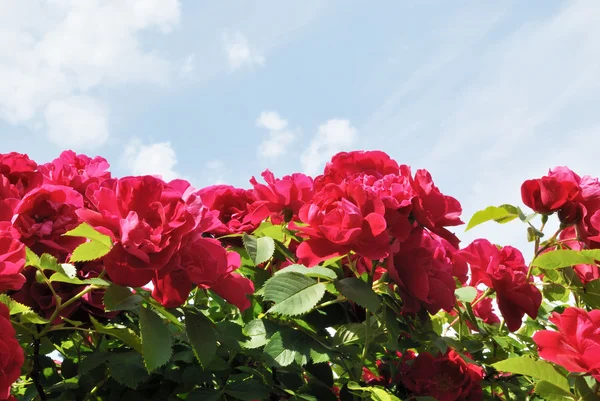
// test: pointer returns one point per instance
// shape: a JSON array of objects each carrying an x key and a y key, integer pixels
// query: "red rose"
[
  {"x": 396, "y": 193},
  {"x": 44, "y": 215},
  {"x": 484, "y": 310},
  {"x": 204, "y": 262},
  {"x": 445, "y": 377},
  {"x": 20, "y": 171},
  {"x": 340, "y": 219},
  {"x": 9, "y": 198},
  {"x": 237, "y": 209},
  {"x": 11, "y": 354},
  {"x": 345, "y": 165},
  {"x": 75, "y": 171},
  {"x": 173, "y": 288},
  {"x": 146, "y": 219},
  {"x": 588, "y": 226},
  {"x": 434, "y": 210},
  {"x": 284, "y": 196},
  {"x": 424, "y": 271},
  {"x": 505, "y": 271},
  {"x": 550, "y": 193},
  {"x": 12, "y": 258},
  {"x": 576, "y": 344}
]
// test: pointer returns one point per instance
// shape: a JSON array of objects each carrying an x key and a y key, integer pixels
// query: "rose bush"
[{"x": 350, "y": 285}]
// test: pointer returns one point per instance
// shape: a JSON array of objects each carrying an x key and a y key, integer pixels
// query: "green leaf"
[
  {"x": 245, "y": 387},
  {"x": 156, "y": 340},
  {"x": 591, "y": 294},
  {"x": 63, "y": 278},
  {"x": 31, "y": 258},
  {"x": 32, "y": 317},
  {"x": 257, "y": 332},
  {"x": 276, "y": 350},
  {"x": 127, "y": 368},
  {"x": 267, "y": 229},
  {"x": 377, "y": 393},
  {"x": 500, "y": 214},
  {"x": 466, "y": 294},
  {"x": 537, "y": 369},
  {"x": 92, "y": 361},
  {"x": 260, "y": 249},
  {"x": 358, "y": 291},
  {"x": 49, "y": 262},
  {"x": 293, "y": 293},
  {"x": 13, "y": 306},
  {"x": 124, "y": 334},
  {"x": 561, "y": 258},
  {"x": 319, "y": 357},
  {"x": 117, "y": 297},
  {"x": 591, "y": 253},
  {"x": 69, "y": 269},
  {"x": 86, "y": 231},
  {"x": 316, "y": 272},
  {"x": 584, "y": 388},
  {"x": 89, "y": 251},
  {"x": 202, "y": 337},
  {"x": 350, "y": 333},
  {"x": 205, "y": 394},
  {"x": 550, "y": 392},
  {"x": 555, "y": 292}
]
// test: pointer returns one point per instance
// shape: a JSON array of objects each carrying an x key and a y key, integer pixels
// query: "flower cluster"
[
  {"x": 372, "y": 237},
  {"x": 577, "y": 202},
  {"x": 366, "y": 203},
  {"x": 444, "y": 377},
  {"x": 576, "y": 344}
]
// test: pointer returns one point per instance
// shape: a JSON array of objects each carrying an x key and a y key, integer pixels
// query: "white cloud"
[
  {"x": 279, "y": 138},
  {"x": 152, "y": 159},
  {"x": 239, "y": 52},
  {"x": 276, "y": 145},
  {"x": 77, "y": 122},
  {"x": 271, "y": 121},
  {"x": 53, "y": 50},
  {"x": 334, "y": 136}
]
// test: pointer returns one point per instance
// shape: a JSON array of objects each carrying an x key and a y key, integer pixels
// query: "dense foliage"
[{"x": 350, "y": 285}]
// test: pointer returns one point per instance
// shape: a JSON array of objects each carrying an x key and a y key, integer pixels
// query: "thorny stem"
[
  {"x": 487, "y": 292},
  {"x": 539, "y": 250},
  {"x": 331, "y": 302},
  {"x": 61, "y": 306},
  {"x": 35, "y": 372},
  {"x": 365, "y": 349},
  {"x": 97, "y": 387}
]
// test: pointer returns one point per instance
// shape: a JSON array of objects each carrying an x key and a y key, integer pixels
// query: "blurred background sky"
[{"x": 484, "y": 94}]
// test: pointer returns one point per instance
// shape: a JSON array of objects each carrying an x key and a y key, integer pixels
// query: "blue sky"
[{"x": 484, "y": 94}]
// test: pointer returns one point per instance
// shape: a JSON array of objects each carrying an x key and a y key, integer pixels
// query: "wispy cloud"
[
  {"x": 500, "y": 112},
  {"x": 333, "y": 136},
  {"x": 78, "y": 122},
  {"x": 279, "y": 137},
  {"x": 239, "y": 53},
  {"x": 152, "y": 159}
]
